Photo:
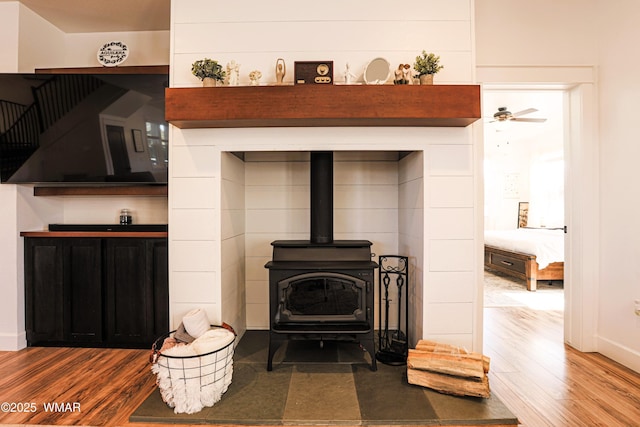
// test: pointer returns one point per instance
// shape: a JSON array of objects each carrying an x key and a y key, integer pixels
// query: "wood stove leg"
[
  {"x": 275, "y": 341},
  {"x": 370, "y": 346}
]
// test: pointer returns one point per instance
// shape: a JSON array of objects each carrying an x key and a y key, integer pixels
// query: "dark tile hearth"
[{"x": 328, "y": 385}]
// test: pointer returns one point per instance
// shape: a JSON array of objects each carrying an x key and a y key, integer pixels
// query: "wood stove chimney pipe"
[{"x": 321, "y": 183}]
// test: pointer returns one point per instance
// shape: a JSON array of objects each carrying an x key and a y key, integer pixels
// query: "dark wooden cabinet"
[
  {"x": 44, "y": 290},
  {"x": 82, "y": 291},
  {"x": 135, "y": 306},
  {"x": 103, "y": 292}
]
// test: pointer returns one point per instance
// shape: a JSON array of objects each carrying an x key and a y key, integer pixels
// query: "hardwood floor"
[
  {"x": 99, "y": 387},
  {"x": 542, "y": 381},
  {"x": 547, "y": 383}
]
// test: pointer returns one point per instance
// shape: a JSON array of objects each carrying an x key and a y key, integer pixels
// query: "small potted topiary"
[
  {"x": 426, "y": 66},
  {"x": 209, "y": 71}
]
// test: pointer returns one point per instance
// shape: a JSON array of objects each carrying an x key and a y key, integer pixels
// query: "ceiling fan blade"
[
  {"x": 515, "y": 119},
  {"x": 523, "y": 112}
]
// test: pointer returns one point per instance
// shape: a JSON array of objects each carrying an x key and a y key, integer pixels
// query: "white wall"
[
  {"x": 40, "y": 42},
  {"x": 411, "y": 240},
  {"x": 145, "y": 47},
  {"x": 277, "y": 198},
  {"x": 276, "y": 189},
  {"x": 618, "y": 327},
  {"x": 546, "y": 33},
  {"x": 233, "y": 293},
  {"x": 20, "y": 211},
  {"x": 30, "y": 42},
  {"x": 453, "y": 237},
  {"x": 194, "y": 227},
  {"x": 554, "y": 42},
  {"x": 277, "y": 202},
  {"x": 540, "y": 33},
  {"x": 42, "y": 45},
  {"x": 10, "y": 322},
  {"x": 258, "y": 33},
  {"x": 354, "y": 32},
  {"x": 9, "y": 24}
]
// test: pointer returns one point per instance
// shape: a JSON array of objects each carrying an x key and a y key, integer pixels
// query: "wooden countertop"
[{"x": 81, "y": 234}]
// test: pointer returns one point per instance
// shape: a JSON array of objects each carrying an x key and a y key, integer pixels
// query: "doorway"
[
  {"x": 524, "y": 192},
  {"x": 118, "y": 150},
  {"x": 582, "y": 176}
]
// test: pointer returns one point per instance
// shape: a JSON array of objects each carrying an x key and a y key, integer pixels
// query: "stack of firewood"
[{"x": 448, "y": 369}]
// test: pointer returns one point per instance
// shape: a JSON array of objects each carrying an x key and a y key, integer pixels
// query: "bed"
[{"x": 531, "y": 254}]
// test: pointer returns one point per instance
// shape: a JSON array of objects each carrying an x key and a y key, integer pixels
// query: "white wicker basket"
[{"x": 190, "y": 383}]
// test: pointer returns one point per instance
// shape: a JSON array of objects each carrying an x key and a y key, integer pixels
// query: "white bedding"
[{"x": 546, "y": 244}]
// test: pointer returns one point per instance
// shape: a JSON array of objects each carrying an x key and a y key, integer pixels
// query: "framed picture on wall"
[
  {"x": 523, "y": 214},
  {"x": 138, "y": 144}
]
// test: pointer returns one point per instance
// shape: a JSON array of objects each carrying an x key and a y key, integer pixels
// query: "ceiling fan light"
[{"x": 502, "y": 113}]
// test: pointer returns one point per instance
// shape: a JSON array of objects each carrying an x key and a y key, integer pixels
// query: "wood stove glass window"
[{"x": 322, "y": 297}]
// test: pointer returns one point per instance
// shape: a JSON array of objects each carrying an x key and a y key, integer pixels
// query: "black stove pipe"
[{"x": 321, "y": 183}]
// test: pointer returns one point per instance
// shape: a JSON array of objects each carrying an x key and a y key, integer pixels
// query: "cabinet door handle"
[{"x": 507, "y": 263}]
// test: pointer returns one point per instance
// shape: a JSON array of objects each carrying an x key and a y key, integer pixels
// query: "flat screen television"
[{"x": 83, "y": 129}]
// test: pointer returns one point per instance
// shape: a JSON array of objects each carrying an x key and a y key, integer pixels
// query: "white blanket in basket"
[{"x": 196, "y": 375}]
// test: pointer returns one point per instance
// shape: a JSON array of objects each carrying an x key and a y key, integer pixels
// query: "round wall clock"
[{"x": 112, "y": 54}]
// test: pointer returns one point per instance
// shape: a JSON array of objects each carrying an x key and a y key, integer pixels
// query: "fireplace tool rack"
[{"x": 393, "y": 338}]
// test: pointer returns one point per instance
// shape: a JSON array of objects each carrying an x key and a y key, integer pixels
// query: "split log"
[
  {"x": 435, "y": 347},
  {"x": 448, "y": 369},
  {"x": 459, "y": 365},
  {"x": 449, "y": 384}
]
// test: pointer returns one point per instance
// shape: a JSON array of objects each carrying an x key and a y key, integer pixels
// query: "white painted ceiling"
[{"x": 91, "y": 16}]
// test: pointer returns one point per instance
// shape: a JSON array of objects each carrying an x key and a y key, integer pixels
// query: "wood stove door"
[{"x": 322, "y": 297}]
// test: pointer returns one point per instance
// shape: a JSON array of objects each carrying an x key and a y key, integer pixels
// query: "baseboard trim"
[
  {"x": 621, "y": 354},
  {"x": 13, "y": 342}
]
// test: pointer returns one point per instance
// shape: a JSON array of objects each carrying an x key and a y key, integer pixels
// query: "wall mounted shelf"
[
  {"x": 112, "y": 190},
  {"x": 139, "y": 69},
  {"x": 320, "y": 105}
]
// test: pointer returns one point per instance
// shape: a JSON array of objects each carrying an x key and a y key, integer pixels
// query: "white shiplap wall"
[
  {"x": 232, "y": 206},
  {"x": 436, "y": 183},
  {"x": 255, "y": 34},
  {"x": 277, "y": 195}
]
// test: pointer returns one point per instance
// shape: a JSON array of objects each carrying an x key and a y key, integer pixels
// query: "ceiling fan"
[{"x": 503, "y": 115}]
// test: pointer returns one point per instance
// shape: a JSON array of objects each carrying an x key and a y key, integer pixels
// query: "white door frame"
[{"x": 581, "y": 186}]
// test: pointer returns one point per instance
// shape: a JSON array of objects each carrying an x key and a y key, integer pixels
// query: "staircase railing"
[
  {"x": 19, "y": 142},
  {"x": 10, "y": 112},
  {"x": 20, "y": 132},
  {"x": 61, "y": 94}
]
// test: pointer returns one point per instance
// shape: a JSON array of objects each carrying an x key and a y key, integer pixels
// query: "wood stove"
[{"x": 321, "y": 289}]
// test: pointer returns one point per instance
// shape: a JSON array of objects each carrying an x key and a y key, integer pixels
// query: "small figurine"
[
  {"x": 233, "y": 71},
  {"x": 348, "y": 75},
  {"x": 399, "y": 75},
  {"x": 403, "y": 75},
  {"x": 255, "y": 76},
  {"x": 408, "y": 75},
  {"x": 281, "y": 70}
]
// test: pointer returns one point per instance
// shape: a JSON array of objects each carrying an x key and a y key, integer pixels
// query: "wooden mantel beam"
[{"x": 320, "y": 105}]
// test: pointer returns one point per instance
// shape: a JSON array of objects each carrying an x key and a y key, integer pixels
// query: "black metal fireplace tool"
[{"x": 393, "y": 341}]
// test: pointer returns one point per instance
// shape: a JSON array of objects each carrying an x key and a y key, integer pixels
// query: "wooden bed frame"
[{"x": 520, "y": 265}]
